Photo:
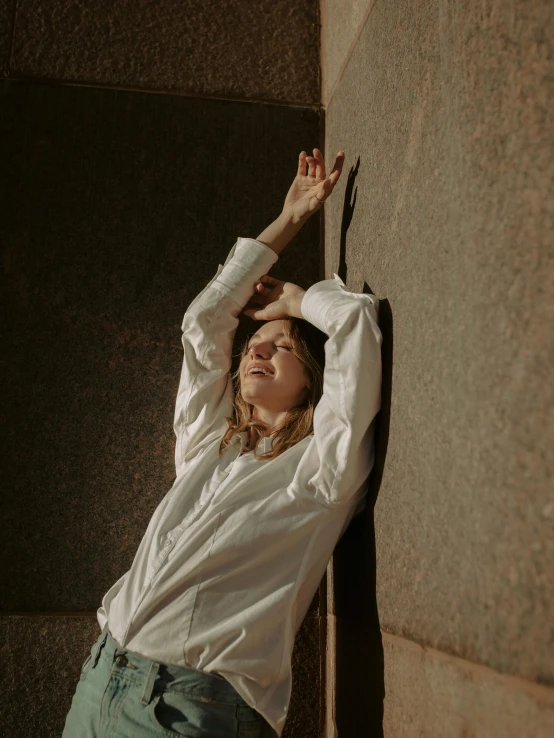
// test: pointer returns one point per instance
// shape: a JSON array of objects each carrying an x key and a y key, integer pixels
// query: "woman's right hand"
[{"x": 309, "y": 191}]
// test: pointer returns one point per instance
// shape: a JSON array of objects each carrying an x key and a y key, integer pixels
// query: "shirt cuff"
[
  {"x": 319, "y": 299},
  {"x": 247, "y": 261}
]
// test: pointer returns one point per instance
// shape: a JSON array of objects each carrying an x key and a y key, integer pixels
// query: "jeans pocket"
[{"x": 181, "y": 716}]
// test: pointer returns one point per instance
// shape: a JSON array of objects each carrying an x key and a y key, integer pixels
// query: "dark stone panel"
[
  {"x": 117, "y": 209},
  {"x": 305, "y": 706},
  {"x": 39, "y": 652},
  {"x": 7, "y": 12},
  {"x": 265, "y": 50},
  {"x": 41, "y": 663}
]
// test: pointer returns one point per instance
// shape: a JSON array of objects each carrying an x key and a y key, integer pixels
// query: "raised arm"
[
  {"x": 337, "y": 461},
  {"x": 205, "y": 392},
  {"x": 305, "y": 197},
  {"x": 336, "y": 464}
]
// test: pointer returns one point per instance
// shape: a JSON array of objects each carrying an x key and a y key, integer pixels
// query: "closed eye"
[{"x": 283, "y": 346}]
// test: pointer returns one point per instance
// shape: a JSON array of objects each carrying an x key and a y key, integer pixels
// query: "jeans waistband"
[{"x": 158, "y": 676}]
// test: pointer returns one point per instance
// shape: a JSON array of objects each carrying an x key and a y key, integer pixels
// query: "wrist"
[
  {"x": 288, "y": 216},
  {"x": 295, "y": 305},
  {"x": 279, "y": 233}
]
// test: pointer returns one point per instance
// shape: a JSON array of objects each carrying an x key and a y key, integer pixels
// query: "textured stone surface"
[
  {"x": 119, "y": 209},
  {"x": 341, "y": 24},
  {"x": 267, "y": 50},
  {"x": 305, "y": 709},
  {"x": 41, "y": 660},
  {"x": 446, "y": 115},
  {"x": 7, "y": 10},
  {"x": 434, "y": 694},
  {"x": 37, "y": 652}
]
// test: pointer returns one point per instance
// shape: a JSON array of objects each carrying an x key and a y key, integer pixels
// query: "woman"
[{"x": 271, "y": 465}]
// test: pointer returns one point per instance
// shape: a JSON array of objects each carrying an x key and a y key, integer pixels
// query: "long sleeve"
[
  {"x": 337, "y": 462},
  {"x": 205, "y": 393}
]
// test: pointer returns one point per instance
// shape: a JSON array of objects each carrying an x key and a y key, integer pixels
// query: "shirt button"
[{"x": 121, "y": 660}]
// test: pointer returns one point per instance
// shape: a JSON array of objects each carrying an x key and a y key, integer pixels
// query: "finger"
[
  {"x": 260, "y": 314},
  {"x": 337, "y": 169},
  {"x": 302, "y": 164},
  {"x": 311, "y": 166},
  {"x": 258, "y": 299},
  {"x": 260, "y": 287},
  {"x": 316, "y": 202},
  {"x": 324, "y": 190},
  {"x": 272, "y": 311},
  {"x": 320, "y": 164},
  {"x": 262, "y": 290}
]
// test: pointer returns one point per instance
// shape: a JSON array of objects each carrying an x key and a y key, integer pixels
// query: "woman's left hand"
[
  {"x": 309, "y": 191},
  {"x": 285, "y": 307}
]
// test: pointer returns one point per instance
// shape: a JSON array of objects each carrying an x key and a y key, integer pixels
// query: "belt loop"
[
  {"x": 100, "y": 643},
  {"x": 149, "y": 686}
]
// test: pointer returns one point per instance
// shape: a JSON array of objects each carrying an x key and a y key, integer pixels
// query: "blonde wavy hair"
[{"x": 308, "y": 345}]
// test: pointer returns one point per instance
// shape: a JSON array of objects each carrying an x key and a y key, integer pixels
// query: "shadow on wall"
[{"x": 360, "y": 681}]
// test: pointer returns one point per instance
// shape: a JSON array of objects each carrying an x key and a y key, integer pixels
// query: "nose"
[{"x": 255, "y": 350}]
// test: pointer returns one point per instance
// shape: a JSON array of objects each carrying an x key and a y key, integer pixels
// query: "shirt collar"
[{"x": 265, "y": 445}]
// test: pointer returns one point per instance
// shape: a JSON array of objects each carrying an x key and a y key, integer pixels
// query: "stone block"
[{"x": 235, "y": 50}]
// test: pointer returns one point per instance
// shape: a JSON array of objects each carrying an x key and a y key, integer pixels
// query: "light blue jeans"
[{"x": 121, "y": 694}]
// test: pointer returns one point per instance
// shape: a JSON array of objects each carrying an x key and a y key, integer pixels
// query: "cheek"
[{"x": 294, "y": 370}]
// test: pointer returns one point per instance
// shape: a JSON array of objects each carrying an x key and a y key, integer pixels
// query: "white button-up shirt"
[{"x": 235, "y": 551}]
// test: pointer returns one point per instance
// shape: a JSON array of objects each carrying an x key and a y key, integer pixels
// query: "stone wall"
[{"x": 443, "y": 599}]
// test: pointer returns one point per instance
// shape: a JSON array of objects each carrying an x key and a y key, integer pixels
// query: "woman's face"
[{"x": 286, "y": 384}]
